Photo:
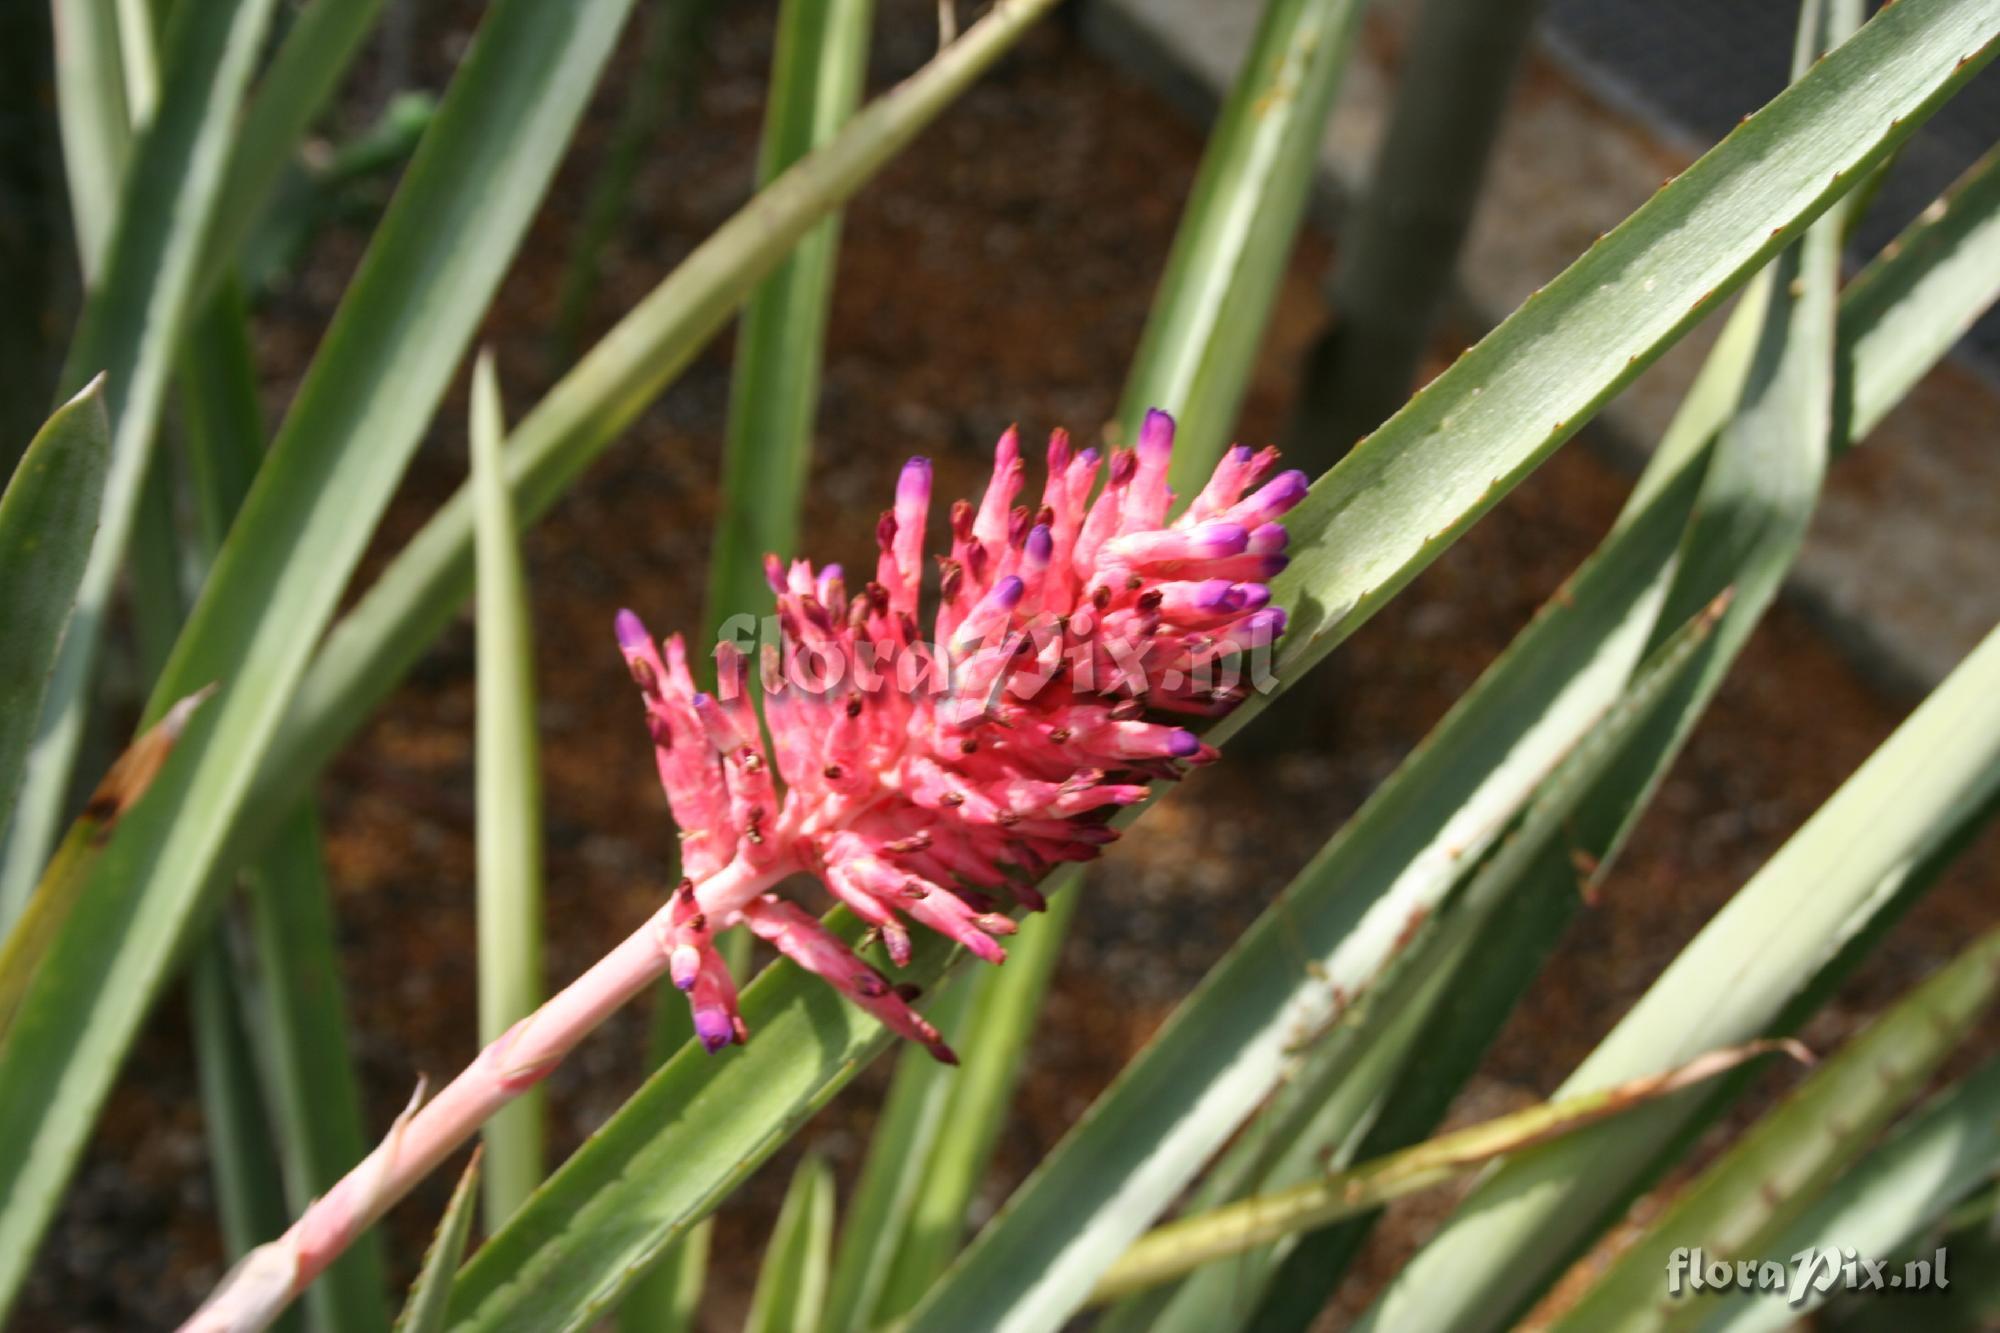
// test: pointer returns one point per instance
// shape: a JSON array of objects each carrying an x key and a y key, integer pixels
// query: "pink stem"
[{"x": 273, "y": 1275}]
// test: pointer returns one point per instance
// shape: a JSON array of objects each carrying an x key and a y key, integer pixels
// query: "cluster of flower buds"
[{"x": 928, "y": 780}]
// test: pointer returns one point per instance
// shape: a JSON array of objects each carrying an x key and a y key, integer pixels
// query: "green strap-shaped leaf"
[
  {"x": 130, "y": 323},
  {"x": 1741, "y": 1204},
  {"x": 461, "y": 209},
  {"x": 1181, "y": 1246},
  {"x": 816, "y": 76},
  {"x": 1236, "y": 233},
  {"x": 96, "y": 121},
  {"x": 510, "y": 803},
  {"x": 1381, "y": 516},
  {"x": 791, "y": 1285},
  {"x": 1734, "y": 981},
  {"x": 424, "y": 1312},
  {"x": 48, "y": 516},
  {"x": 1924, "y": 291},
  {"x": 286, "y": 983},
  {"x": 299, "y": 1021},
  {"x": 1006, "y": 1005},
  {"x": 317, "y": 49},
  {"x": 899, "y": 1150},
  {"x": 1927, "y": 1165},
  {"x": 242, "y": 1160},
  {"x": 1947, "y": 264}
]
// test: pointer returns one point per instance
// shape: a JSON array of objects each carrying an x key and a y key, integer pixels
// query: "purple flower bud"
[
  {"x": 1041, "y": 544},
  {"x": 714, "y": 1029},
  {"x": 1218, "y": 595},
  {"x": 632, "y": 634},
  {"x": 1269, "y": 539},
  {"x": 1266, "y": 625},
  {"x": 1156, "y": 434},
  {"x": 1183, "y": 743},
  {"x": 913, "y": 488}
]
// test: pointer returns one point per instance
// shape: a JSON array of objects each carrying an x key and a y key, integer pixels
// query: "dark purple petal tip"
[
  {"x": 632, "y": 634},
  {"x": 1288, "y": 488},
  {"x": 1183, "y": 744},
  {"x": 1215, "y": 595},
  {"x": 713, "y": 1028}
]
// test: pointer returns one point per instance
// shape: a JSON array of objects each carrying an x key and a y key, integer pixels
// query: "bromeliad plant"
[
  {"x": 1080, "y": 649},
  {"x": 918, "y": 776}
]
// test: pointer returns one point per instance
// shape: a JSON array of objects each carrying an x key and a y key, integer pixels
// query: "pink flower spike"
[{"x": 922, "y": 780}]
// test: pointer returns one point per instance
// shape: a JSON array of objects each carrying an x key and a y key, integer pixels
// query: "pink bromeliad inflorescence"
[{"x": 920, "y": 778}]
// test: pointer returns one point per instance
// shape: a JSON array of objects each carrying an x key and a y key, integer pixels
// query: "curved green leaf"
[
  {"x": 1006, "y": 1003},
  {"x": 424, "y": 1311},
  {"x": 127, "y": 333},
  {"x": 1236, "y": 233},
  {"x": 510, "y": 803},
  {"x": 1738, "y": 1206},
  {"x": 461, "y": 209},
  {"x": 1372, "y": 523},
  {"x": 1921, "y": 295},
  {"x": 1932, "y": 1160},
  {"x": 1733, "y": 982},
  {"x": 899, "y": 1149},
  {"x": 816, "y": 77},
  {"x": 791, "y": 1286},
  {"x": 1184, "y": 1245},
  {"x": 48, "y": 517}
]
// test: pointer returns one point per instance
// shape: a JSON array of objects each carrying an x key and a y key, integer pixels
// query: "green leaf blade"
[
  {"x": 1389, "y": 507},
  {"x": 1236, "y": 235},
  {"x": 791, "y": 1286},
  {"x": 127, "y": 333},
  {"x": 510, "y": 803},
  {"x": 816, "y": 76},
  {"x": 878, "y": 1215},
  {"x": 424, "y": 1312},
  {"x": 1739, "y": 1205},
  {"x": 48, "y": 519},
  {"x": 1934, "y": 1159},
  {"x": 462, "y": 207}
]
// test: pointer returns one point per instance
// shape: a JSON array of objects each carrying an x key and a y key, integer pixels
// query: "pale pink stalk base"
[{"x": 273, "y": 1275}]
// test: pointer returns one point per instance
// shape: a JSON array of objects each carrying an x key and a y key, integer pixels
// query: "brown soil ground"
[{"x": 999, "y": 271}]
